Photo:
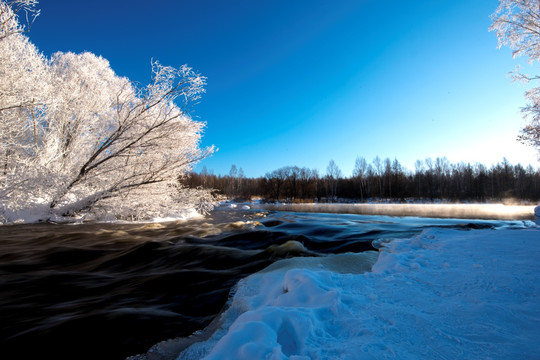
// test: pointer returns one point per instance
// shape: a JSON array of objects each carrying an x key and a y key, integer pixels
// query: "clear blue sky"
[{"x": 304, "y": 82}]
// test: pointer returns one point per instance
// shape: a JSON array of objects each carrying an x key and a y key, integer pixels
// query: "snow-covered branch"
[
  {"x": 517, "y": 25},
  {"x": 75, "y": 135},
  {"x": 9, "y": 16}
]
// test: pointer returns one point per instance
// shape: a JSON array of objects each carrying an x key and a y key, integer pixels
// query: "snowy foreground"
[{"x": 445, "y": 294}]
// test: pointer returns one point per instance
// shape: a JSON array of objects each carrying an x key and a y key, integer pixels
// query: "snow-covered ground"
[
  {"x": 42, "y": 213},
  {"x": 445, "y": 294}
]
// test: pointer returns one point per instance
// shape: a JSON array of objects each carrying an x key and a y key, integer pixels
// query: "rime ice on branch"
[
  {"x": 75, "y": 137},
  {"x": 517, "y": 25}
]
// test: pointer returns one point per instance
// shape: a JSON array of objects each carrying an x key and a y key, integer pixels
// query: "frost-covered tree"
[
  {"x": 24, "y": 92},
  {"x": 23, "y": 74},
  {"x": 517, "y": 25},
  {"x": 10, "y": 13},
  {"x": 77, "y": 138},
  {"x": 111, "y": 140}
]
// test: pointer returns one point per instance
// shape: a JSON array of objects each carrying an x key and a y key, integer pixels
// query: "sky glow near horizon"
[{"x": 304, "y": 82}]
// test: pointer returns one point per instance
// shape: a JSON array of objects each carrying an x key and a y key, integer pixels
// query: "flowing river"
[{"x": 111, "y": 290}]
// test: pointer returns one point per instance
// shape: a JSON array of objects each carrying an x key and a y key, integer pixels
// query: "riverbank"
[{"x": 443, "y": 294}]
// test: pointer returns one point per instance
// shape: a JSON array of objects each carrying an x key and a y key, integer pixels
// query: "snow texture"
[{"x": 445, "y": 294}]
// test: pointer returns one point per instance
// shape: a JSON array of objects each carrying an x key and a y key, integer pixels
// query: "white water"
[{"x": 445, "y": 294}]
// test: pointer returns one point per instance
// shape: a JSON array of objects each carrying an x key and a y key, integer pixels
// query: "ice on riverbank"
[
  {"x": 443, "y": 294},
  {"x": 42, "y": 214}
]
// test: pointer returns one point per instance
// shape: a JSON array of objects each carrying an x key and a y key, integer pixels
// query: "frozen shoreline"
[
  {"x": 443, "y": 294},
  {"x": 457, "y": 211}
]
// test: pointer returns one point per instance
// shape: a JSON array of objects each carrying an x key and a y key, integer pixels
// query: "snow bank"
[
  {"x": 186, "y": 214},
  {"x": 43, "y": 213},
  {"x": 444, "y": 294}
]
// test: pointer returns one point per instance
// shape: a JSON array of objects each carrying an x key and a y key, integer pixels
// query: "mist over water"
[
  {"x": 447, "y": 211},
  {"x": 109, "y": 291}
]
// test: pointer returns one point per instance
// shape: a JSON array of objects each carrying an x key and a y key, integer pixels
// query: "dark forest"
[{"x": 382, "y": 180}]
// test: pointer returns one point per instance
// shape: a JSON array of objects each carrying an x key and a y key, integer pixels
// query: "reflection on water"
[{"x": 108, "y": 291}]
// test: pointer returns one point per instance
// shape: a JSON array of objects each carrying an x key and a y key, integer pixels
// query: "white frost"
[{"x": 443, "y": 294}]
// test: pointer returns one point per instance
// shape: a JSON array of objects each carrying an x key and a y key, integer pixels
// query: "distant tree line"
[{"x": 380, "y": 180}]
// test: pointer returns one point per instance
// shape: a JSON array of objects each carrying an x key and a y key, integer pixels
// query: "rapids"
[{"x": 112, "y": 290}]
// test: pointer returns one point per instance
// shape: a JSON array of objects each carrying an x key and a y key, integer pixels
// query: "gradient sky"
[{"x": 304, "y": 82}]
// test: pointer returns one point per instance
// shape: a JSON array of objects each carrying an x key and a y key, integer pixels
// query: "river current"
[{"x": 109, "y": 291}]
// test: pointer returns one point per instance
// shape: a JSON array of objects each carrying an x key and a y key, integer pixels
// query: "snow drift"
[{"x": 444, "y": 294}]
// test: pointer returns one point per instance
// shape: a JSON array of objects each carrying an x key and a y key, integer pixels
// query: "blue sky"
[{"x": 304, "y": 82}]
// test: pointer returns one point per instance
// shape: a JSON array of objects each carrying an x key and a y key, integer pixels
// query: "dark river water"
[{"x": 109, "y": 291}]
